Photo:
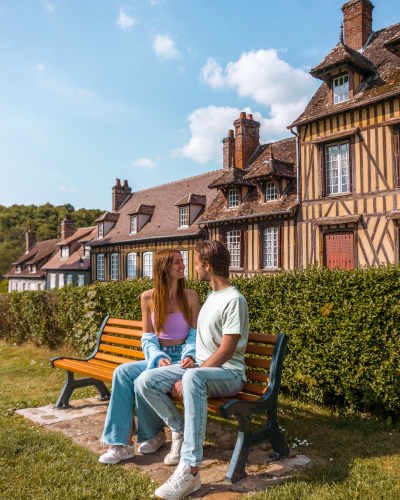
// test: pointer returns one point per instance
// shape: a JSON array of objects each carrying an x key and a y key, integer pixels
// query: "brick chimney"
[
  {"x": 357, "y": 16},
  {"x": 119, "y": 194},
  {"x": 247, "y": 138},
  {"x": 67, "y": 227},
  {"x": 30, "y": 240},
  {"x": 229, "y": 150}
]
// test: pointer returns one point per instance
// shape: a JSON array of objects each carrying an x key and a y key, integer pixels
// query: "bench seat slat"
[
  {"x": 106, "y": 364},
  {"x": 119, "y": 340},
  {"x": 263, "y": 338},
  {"x": 258, "y": 362},
  {"x": 116, "y": 359},
  {"x": 123, "y": 331},
  {"x": 125, "y": 322},
  {"x": 258, "y": 376},
  {"x": 84, "y": 368},
  {"x": 259, "y": 349},
  {"x": 254, "y": 389},
  {"x": 119, "y": 350}
]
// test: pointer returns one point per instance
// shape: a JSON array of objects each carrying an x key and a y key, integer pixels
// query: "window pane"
[
  {"x": 233, "y": 244},
  {"x": 184, "y": 217},
  {"x": 185, "y": 258},
  {"x": 271, "y": 192},
  {"x": 60, "y": 280},
  {"x": 100, "y": 230},
  {"x": 337, "y": 169},
  {"x": 233, "y": 198},
  {"x": 114, "y": 266},
  {"x": 341, "y": 89},
  {"x": 81, "y": 280},
  {"x": 148, "y": 264},
  {"x": 52, "y": 280},
  {"x": 69, "y": 279},
  {"x": 132, "y": 265},
  {"x": 86, "y": 252},
  {"x": 270, "y": 251},
  {"x": 133, "y": 225},
  {"x": 100, "y": 267}
]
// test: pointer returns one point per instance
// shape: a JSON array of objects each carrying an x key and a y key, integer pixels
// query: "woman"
[{"x": 169, "y": 314}]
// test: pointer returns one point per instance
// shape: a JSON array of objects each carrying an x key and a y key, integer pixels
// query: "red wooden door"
[{"x": 338, "y": 250}]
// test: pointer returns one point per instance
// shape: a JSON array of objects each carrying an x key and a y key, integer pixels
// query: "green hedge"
[{"x": 343, "y": 326}]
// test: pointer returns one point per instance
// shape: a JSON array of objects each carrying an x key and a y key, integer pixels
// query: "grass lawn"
[{"x": 358, "y": 457}]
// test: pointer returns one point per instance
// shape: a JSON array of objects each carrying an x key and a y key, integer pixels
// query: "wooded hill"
[{"x": 44, "y": 220}]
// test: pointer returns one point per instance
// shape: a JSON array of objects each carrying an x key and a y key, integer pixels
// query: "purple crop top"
[{"x": 175, "y": 327}]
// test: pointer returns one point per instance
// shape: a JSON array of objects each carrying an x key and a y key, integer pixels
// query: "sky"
[{"x": 145, "y": 90}]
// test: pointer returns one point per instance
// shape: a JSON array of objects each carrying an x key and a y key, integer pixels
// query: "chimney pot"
[
  {"x": 126, "y": 184},
  {"x": 119, "y": 194},
  {"x": 249, "y": 117},
  {"x": 67, "y": 227},
  {"x": 247, "y": 139},
  {"x": 118, "y": 182},
  {"x": 230, "y": 133},
  {"x": 243, "y": 115},
  {"x": 30, "y": 239}
]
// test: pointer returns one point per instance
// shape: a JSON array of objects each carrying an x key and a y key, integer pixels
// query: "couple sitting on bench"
[{"x": 194, "y": 365}]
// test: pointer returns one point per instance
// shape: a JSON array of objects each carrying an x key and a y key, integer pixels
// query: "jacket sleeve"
[
  {"x": 189, "y": 347},
  {"x": 152, "y": 351}
]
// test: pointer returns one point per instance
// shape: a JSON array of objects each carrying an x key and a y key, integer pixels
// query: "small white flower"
[
  {"x": 283, "y": 430},
  {"x": 294, "y": 445},
  {"x": 306, "y": 444},
  {"x": 331, "y": 459},
  {"x": 390, "y": 433}
]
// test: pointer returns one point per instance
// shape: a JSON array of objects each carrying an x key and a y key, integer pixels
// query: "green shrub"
[
  {"x": 343, "y": 326},
  {"x": 3, "y": 287}
]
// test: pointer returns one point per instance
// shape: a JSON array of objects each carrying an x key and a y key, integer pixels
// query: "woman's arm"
[
  {"x": 145, "y": 303},
  {"x": 194, "y": 305}
]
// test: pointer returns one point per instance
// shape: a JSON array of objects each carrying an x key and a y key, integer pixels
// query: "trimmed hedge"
[{"x": 343, "y": 326}]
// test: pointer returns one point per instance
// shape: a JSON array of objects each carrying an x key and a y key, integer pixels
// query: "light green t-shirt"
[{"x": 224, "y": 312}]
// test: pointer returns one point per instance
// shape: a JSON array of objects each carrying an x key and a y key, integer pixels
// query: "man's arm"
[{"x": 224, "y": 353}]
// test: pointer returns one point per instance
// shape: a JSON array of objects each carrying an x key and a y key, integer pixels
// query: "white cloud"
[
  {"x": 212, "y": 74},
  {"x": 40, "y": 67},
  {"x": 144, "y": 163},
  {"x": 68, "y": 190},
  {"x": 49, "y": 6},
  {"x": 124, "y": 21},
  {"x": 164, "y": 46}
]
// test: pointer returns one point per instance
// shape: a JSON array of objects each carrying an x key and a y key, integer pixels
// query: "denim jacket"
[{"x": 153, "y": 353}]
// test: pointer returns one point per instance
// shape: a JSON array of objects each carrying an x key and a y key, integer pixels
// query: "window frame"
[
  {"x": 81, "y": 280},
  {"x": 18, "y": 269},
  {"x": 324, "y": 149},
  {"x": 114, "y": 268},
  {"x": 233, "y": 198},
  {"x": 336, "y": 78},
  {"x": 183, "y": 210},
  {"x": 396, "y": 150},
  {"x": 33, "y": 268},
  {"x": 268, "y": 183},
  {"x": 86, "y": 251},
  {"x": 133, "y": 218},
  {"x": 228, "y": 235},
  {"x": 61, "y": 280},
  {"x": 185, "y": 258},
  {"x": 100, "y": 231},
  {"x": 100, "y": 257},
  {"x": 53, "y": 280},
  {"x": 277, "y": 239},
  {"x": 149, "y": 254},
  {"x": 131, "y": 254},
  {"x": 64, "y": 253},
  {"x": 69, "y": 279},
  {"x": 261, "y": 246}
]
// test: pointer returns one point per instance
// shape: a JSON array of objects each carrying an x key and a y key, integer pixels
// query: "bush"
[
  {"x": 3, "y": 287},
  {"x": 343, "y": 326}
]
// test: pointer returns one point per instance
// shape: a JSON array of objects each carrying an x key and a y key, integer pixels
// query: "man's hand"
[
  {"x": 177, "y": 390},
  {"x": 187, "y": 363},
  {"x": 164, "y": 362}
]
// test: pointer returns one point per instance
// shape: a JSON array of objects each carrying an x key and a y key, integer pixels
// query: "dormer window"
[
  {"x": 233, "y": 198},
  {"x": 271, "y": 193},
  {"x": 86, "y": 252},
  {"x": 100, "y": 230},
  {"x": 341, "y": 89},
  {"x": 133, "y": 225},
  {"x": 184, "y": 217},
  {"x": 18, "y": 269},
  {"x": 64, "y": 252},
  {"x": 33, "y": 269}
]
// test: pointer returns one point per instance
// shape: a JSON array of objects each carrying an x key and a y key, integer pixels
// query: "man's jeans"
[
  {"x": 198, "y": 384},
  {"x": 119, "y": 418}
]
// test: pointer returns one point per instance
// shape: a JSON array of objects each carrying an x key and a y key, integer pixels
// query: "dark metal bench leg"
[
  {"x": 281, "y": 449},
  {"x": 237, "y": 466},
  {"x": 71, "y": 384}
]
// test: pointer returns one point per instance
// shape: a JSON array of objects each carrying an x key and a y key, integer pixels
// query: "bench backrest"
[{"x": 119, "y": 343}]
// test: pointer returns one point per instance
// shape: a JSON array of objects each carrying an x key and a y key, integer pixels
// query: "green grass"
[{"x": 39, "y": 464}]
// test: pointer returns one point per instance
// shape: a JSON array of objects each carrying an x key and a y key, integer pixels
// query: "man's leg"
[{"x": 151, "y": 389}]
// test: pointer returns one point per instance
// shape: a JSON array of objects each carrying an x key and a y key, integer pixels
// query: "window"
[
  {"x": 64, "y": 252},
  {"x": 114, "y": 266},
  {"x": 271, "y": 194},
  {"x": 132, "y": 265},
  {"x": 18, "y": 269},
  {"x": 81, "y": 279},
  {"x": 13, "y": 286},
  {"x": 185, "y": 258},
  {"x": 233, "y": 198},
  {"x": 24, "y": 286},
  {"x": 86, "y": 252},
  {"x": 40, "y": 286},
  {"x": 337, "y": 168},
  {"x": 183, "y": 217},
  {"x": 148, "y": 264},
  {"x": 270, "y": 247},
  {"x": 28, "y": 286},
  {"x": 69, "y": 279},
  {"x": 133, "y": 225},
  {"x": 100, "y": 230},
  {"x": 52, "y": 281},
  {"x": 33, "y": 269},
  {"x": 341, "y": 89},
  {"x": 60, "y": 280},
  {"x": 233, "y": 244},
  {"x": 100, "y": 267}
]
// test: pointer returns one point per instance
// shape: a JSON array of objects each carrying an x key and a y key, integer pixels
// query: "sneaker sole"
[
  {"x": 152, "y": 451},
  {"x": 196, "y": 488},
  {"x": 173, "y": 463},
  {"x": 119, "y": 460}
]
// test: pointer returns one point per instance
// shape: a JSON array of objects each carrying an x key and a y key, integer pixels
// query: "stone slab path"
[{"x": 84, "y": 422}]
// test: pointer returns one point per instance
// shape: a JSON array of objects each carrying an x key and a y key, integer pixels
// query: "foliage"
[
  {"x": 44, "y": 220},
  {"x": 3, "y": 287},
  {"x": 343, "y": 327}
]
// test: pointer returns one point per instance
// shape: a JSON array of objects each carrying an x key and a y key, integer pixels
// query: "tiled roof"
[
  {"x": 326, "y": 221},
  {"x": 164, "y": 221},
  {"x": 335, "y": 135},
  {"x": 70, "y": 264},
  {"x": 89, "y": 236},
  {"x": 192, "y": 199},
  {"x": 108, "y": 217},
  {"x": 391, "y": 121},
  {"x": 79, "y": 233},
  {"x": 393, "y": 214},
  {"x": 40, "y": 251},
  {"x": 279, "y": 158},
  {"x": 232, "y": 177},
  {"x": 24, "y": 274},
  {"x": 384, "y": 82},
  {"x": 393, "y": 44},
  {"x": 142, "y": 209}
]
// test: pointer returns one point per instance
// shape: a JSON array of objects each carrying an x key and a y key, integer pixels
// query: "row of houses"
[{"x": 329, "y": 193}]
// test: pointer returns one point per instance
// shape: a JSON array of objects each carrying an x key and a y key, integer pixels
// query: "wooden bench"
[{"x": 119, "y": 342}]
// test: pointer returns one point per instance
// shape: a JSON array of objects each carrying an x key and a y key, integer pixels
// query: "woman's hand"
[
  {"x": 164, "y": 362},
  {"x": 187, "y": 363}
]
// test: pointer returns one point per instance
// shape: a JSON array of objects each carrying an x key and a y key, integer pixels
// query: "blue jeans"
[
  {"x": 119, "y": 418},
  {"x": 198, "y": 384}
]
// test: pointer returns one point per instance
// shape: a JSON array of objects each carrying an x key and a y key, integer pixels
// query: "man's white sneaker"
[
  {"x": 180, "y": 484},
  {"x": 116, "y": 453},
  {"x": 174, "y": 456},
  {"x": 153, "y": 444}
]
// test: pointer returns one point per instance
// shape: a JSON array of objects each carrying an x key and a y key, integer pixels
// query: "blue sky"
[{"x": 145, "y": 90}]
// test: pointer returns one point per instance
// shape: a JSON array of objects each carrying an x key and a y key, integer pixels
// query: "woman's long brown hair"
[{"x": 162, "y": 262}]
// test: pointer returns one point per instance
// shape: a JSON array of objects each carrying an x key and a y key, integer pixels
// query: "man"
[{"x": 222, "y": 334}]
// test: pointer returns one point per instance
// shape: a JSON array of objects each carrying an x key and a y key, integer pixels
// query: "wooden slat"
[
  {"x": 106, "y": 364},
  {"x": 258, "y": 362},
  {"x": 259, "y": 376},
  {"x": 84, "y": 368},
  {"x": 118, "y": 350},
  {"x": 263, "y": 338},
  {"x": 119, "y": 340},
  {"x": 117, "y": 359},
  {"x": 254, "y": 389},
  {"x": 123, "y": 331},
  {"x": 245, "y": 397},
  {"x": 259, "y": 349},
  {"x": 125, "y": 322}
]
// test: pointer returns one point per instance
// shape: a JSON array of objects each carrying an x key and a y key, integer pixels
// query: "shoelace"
[
  {"x": 175, "y": 445},
  {"x": 175, "y": 480}
]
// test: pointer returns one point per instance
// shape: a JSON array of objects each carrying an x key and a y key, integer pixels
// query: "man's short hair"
[{"x": 216, "y": 254}]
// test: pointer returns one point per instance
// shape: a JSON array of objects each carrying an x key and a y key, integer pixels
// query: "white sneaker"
[
  {"x": 174, "y": 456},
  {"x": 180, "y": 484},
  {"x": 154, "y": 444},
  {"x": 116, "y": 453}
]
